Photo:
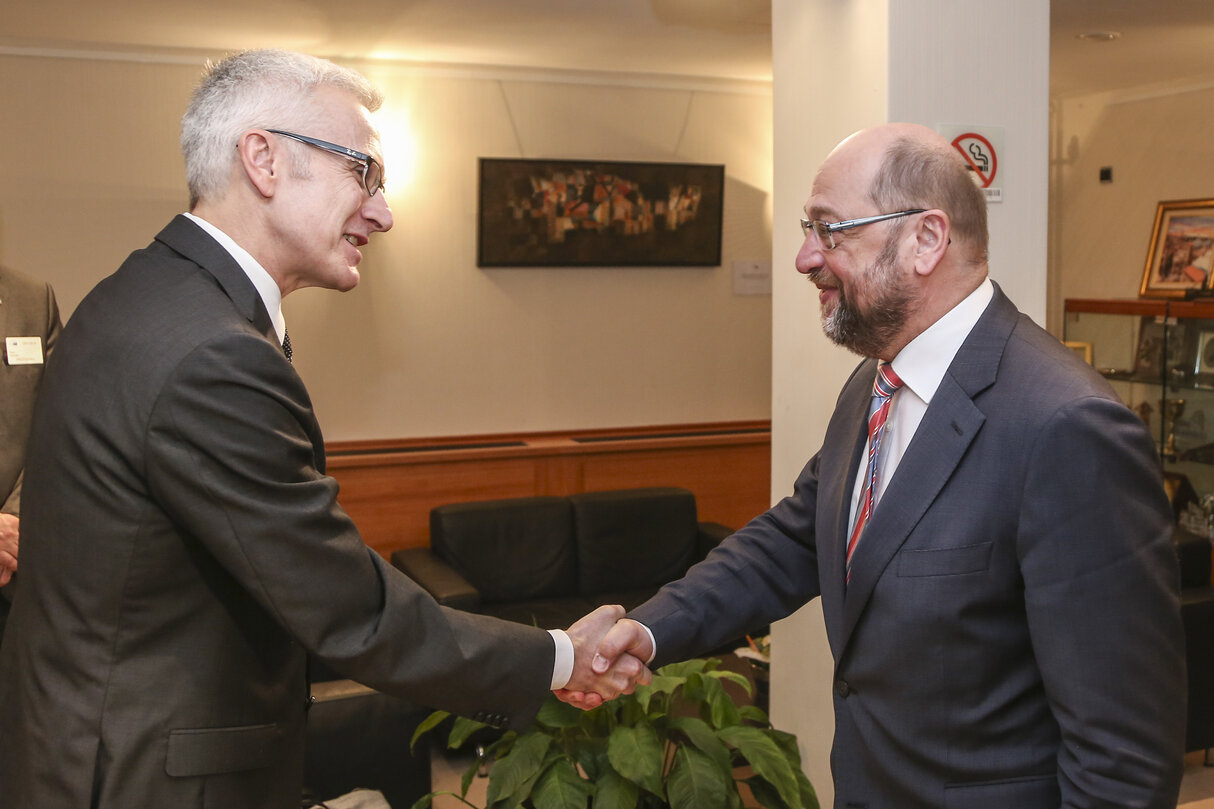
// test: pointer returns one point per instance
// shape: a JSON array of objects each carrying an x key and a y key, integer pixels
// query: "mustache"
[{"x": 822, "y": 278}]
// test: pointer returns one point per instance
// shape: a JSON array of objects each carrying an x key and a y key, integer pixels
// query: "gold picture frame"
[
  {"x": 1180, "y": 258},
  {"x": 1082, "y": 350}
]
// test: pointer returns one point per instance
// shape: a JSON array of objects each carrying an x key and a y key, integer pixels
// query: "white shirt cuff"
[
  {"x": 653, "y": 644},
  {"x": 562, "y": 666}
]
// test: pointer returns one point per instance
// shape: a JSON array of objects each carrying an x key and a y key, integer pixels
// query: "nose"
[
  {"x": 811, "y": 256},
  {"x": 376, "y": 211}
]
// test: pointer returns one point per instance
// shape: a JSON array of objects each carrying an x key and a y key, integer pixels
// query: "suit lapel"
[
  {"x": 185, "y": 237},
  {"x": 947, "y": 430}
]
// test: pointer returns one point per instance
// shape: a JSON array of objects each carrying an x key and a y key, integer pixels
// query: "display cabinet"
[{"x": 1159, "y": 357}]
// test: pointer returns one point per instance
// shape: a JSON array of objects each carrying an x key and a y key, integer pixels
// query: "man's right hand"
[{"x": 625, "y": 640}]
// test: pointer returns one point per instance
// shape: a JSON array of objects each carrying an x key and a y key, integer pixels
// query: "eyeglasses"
[
  {"x": 826, "y": 230},
  {"x": 372, "y": 171}
]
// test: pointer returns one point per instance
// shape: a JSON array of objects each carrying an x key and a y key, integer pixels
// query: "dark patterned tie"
[
  {"x": 286, "y": 344},
  {"x": 884, "y": 388}
]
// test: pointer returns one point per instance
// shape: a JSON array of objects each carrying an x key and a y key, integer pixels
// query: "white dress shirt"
[{"x": 920, "y": 365}]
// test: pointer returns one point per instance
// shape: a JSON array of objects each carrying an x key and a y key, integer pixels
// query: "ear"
[
  {"x": 932, "y": 238},
  {"x": 260, "y": 160}
]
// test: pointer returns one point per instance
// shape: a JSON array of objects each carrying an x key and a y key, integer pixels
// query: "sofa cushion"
[
  {"x": 633, "y": 538},
  {"x": 510, "y": 550}
]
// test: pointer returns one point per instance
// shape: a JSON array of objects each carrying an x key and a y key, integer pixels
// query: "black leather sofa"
[
  {"x": 1197, "y": 614},
  {"x": 548, "y": 561}
]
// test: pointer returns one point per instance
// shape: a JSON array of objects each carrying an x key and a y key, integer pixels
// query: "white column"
[{"x": 839, "y": 66}]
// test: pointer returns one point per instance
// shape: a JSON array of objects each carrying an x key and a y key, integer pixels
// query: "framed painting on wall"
[
  {"x": 1181, "y": 253},
  {"x": 597, "y": 213}
]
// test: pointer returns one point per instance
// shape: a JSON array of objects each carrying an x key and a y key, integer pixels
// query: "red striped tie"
[{"x": 884, "y": 388}]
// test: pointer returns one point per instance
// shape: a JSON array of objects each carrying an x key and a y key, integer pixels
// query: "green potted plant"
[{"x": 680, "y": 742}]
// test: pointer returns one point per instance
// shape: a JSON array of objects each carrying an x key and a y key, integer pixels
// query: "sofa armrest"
[
  {"x": 442, "y": 581},
  {"x": 710, "y": 535}
]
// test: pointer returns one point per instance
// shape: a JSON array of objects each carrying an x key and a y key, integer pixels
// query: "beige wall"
[
  {"x": 429, "y": 344},
  {"x": 1159, "y": 145}
]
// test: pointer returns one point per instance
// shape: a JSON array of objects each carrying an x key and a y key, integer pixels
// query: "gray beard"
[{"x": 869, "y": 332}]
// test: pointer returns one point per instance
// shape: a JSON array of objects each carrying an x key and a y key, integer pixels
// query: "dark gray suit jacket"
[
  {"x": 1010, "y": 638},
  {"x": 27, "y": 309},
  {"x": 183, "y": 549}
]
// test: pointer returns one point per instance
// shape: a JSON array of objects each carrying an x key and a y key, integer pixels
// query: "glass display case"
[{"x": 1159, "y": 357}]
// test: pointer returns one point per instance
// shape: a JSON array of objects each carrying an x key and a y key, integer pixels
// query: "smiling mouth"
[{"x": 354, "y": 240}]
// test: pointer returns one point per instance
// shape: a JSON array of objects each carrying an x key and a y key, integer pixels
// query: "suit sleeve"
[
  {"x": 761, "y": 573},
  {"x": 1101, "y": 592},
  {"x": 232, "y": 459}
]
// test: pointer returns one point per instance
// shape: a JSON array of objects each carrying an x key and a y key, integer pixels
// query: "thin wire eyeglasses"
[
  {"x": 372, "y": 171},
  {"x": 826, "y": 230}
]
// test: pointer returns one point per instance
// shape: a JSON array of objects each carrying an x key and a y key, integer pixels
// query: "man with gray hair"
[{"x": 182, "y": 549}]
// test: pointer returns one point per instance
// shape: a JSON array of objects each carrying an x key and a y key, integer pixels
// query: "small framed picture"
[
  {"x": 1161, "y": 346},
  {"x": 1181, "y": 253},
  {"x": 1082, "y": 350},
  {"x": 1203, "y": 362}
]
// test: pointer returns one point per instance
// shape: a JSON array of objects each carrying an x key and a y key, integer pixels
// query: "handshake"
[{"x": 609, "y": 654}]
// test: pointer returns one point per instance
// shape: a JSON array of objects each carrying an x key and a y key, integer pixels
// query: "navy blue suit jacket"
[{"x": 1010, "y": 637}]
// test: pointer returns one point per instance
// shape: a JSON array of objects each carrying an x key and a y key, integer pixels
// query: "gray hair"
[
  {"x": 921, "y": 175},
  {"x": 251, "y": 90}
]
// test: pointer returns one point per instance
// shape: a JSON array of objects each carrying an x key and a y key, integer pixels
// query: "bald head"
[{"x": 911, "y": 166}]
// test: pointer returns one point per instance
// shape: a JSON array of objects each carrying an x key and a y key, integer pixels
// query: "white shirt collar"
[
  {"x": 266, "y": 286},
  {"x": 925, "y": 360}
]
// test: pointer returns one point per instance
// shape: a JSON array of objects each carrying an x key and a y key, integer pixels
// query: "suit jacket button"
[{"x": 842, "y": 689}]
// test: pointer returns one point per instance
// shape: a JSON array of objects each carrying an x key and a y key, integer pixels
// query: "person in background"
[
  {"x": 183, "y": 550},
  {"x": 985, "y": 524},
  {"x": 29, "y": 321}
]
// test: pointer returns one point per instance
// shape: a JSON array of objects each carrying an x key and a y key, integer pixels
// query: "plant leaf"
[
  {"x": 753, "y": 713},
  {"x": 695, "y": 781},
  {"x": 590, "y": 754},
  {"x": 465, "y": 780},
  {"x": 557, "y": 714},
  {"x": 702, "y": 737},
  {"x": 560, "y": 787},
  {"x": 636, "y": 754},
  {"x": 685, "y": 668},
  {"x": 614, "y": 791},
  {"x": 788, "y": 743},
  {"x": 722, "y": 709},
  {"x": 765, "y": 793},
  {"x": 461, "y": 730},
  {"x": 429, "y": 723},
  {"x": 809, "y": 796},
  {"x": 512, "y": 776},
  {"x": 734, "y": 677},
  {"x": 766, "y": 758}
]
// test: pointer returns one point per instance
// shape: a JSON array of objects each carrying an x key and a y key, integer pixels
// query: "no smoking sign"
[{"x": 980, "y": 148}]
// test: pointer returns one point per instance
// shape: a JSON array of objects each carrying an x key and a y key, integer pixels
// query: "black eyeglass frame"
[
  {"x": 826, "y": 230},
  {"x": 364, "y": 160}
]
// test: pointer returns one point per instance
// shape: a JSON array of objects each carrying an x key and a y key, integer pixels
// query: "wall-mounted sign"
[{"x": 981, "y": 147}]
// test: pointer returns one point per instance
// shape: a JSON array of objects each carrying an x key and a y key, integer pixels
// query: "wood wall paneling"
[{"x": 389, "y": 487}]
